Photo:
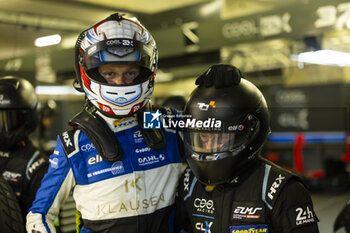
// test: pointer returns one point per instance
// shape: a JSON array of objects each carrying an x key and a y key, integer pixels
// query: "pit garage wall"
[{"x": 310, "y": 132}]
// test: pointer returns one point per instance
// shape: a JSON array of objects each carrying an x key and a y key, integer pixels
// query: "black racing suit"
[
  {"x": 264, "y": 198},
  {"x": 23, "y": 167}
]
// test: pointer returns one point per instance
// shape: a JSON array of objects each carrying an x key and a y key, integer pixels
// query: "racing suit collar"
[{"x": 119, "y": 124}]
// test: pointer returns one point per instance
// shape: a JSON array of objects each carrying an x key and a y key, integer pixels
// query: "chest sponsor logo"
[
  {"x": 87, "y": 147},
  {"x": 205, "y": 227},
  {"x": 11, "y": 176},
  {"x": 302, "y": 216},
  {"x": 242, "y": 212},
  {"x": 204, "y": 206},
  {"x": 143, "y": 150},
  {"x": 275, "y": 185},
  {"x": 131, "y": 205},
  {"x": 116, "y": 169},
  {"x": 132, "y": 184},
  {"x": 138, "y": 136},
  {"x": 4, "y": 154},
  {"x": 148, "y": 160},
  {"x": 249, "y": 229},
  {"x": 95, "y": 159},
  {"x": 121, "y": 124}
]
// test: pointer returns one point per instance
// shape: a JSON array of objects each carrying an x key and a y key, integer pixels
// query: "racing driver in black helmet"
[
  {"x": 228, "y": 186},
  {"x": 22, "y": 164}
]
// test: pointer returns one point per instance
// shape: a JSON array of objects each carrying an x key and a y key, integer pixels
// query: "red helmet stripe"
[{"x": 86, "y": 80}]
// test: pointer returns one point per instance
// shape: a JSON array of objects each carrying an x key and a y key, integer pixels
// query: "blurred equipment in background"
[
  {"x": 177, "y": 101},
  {"x": 48, "y": 110},
  {"x": 22, "y": 165},
  {"x": 342, "y": 222},
  {"x": 310, "y": 133},
  {"x": 11, "y": 220}
]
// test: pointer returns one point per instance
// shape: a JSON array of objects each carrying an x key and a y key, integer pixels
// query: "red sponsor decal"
[
  {"x": 135, "y": 108},
  {"x": 106, "y": 108}
]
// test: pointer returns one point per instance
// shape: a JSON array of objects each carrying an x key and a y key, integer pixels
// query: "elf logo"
[{"x": 95, "y": 159}]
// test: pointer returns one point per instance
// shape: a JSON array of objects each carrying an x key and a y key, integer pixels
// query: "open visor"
[
  {"x": 119, "y": 51},
  {"x": 10, "y": 120},
  {"x": 202, "y": 141}
]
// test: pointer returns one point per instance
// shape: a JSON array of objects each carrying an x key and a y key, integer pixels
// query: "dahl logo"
[
  {"x": 151, "y": 120},
  {"x": 147, "y": 160}
]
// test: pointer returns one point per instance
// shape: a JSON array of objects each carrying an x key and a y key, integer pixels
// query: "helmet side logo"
[
  {"x": 105, "y": 108},
  {"x": 135, "y": 108},
  {"x": 205, "y": 107}
]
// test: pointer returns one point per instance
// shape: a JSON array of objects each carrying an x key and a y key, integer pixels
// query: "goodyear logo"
[{"x": 249, "y": 229}]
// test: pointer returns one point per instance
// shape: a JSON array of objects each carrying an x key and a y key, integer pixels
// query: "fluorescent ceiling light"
[
  {"x": 323, "y": 57},
  {"x": 56, "y": 90},
  {"x": 47, "y": 40}
]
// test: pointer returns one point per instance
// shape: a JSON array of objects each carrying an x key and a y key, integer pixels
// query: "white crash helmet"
[{"x": 116, "y": 40}]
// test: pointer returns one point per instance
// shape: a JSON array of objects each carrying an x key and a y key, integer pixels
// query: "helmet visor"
[
  {"x": 208, "y": 142},
  {"x": 10, "y": 120},
  {"x": 212, "y": 142},
  {"x": 114, "y": 51}
]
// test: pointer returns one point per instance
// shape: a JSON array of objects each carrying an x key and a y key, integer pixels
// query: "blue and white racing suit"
[{"x": 135, "y": 194}]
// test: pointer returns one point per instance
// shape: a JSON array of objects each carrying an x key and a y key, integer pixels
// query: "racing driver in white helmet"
[{"x": 123, "y": 176}]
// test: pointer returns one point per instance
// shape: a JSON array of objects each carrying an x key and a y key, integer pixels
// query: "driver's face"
[
  {"x": 119, "y": 73},
  {"x": 213, "y": 141}
]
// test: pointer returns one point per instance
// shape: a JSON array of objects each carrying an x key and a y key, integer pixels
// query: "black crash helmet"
[
  {"x": 225, "y": 129},
  {"x": 19, "y": 114}
]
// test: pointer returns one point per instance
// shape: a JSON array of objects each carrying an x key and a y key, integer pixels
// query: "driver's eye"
[{"x": 204, "y": 137}]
